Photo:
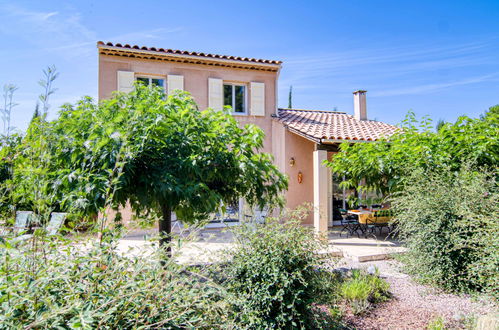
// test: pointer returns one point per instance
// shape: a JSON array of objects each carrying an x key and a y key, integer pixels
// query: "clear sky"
[{"x": 438, "y": 58}]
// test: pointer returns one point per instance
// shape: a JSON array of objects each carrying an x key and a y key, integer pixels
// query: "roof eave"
[
  {"x": 191, "y": 57},
  {"x": 335, "y": 141}
]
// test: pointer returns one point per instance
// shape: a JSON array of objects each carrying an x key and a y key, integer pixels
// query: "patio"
[{"x": 208, "y": 246}]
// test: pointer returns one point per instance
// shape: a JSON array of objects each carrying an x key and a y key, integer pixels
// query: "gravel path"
[{"x": 414, "y": 305}]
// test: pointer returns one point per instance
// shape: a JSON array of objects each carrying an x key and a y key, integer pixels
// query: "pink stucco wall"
[
  {"x": 278, "y": 140},
  {"x": 195, "y": 82},
  {"x": 301, "y": 150}
]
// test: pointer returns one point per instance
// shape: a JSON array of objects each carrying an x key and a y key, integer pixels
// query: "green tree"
[
  {"x": 159, "y": 153},
  {"x": 382, "y": 166},
  {"x": 290, "y": 97},
  {"x": 36, "y": 113},
  {"x": 190, "y": 161},
  {"x": 440, "y": 124}
]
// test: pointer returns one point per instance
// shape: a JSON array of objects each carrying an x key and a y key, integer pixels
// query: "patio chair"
[
  {"x": 56, "y": 221},
  {"x": 349, "y": 223},
  {"x": 23, "y": 221},
  {"x": 22, "y": 224},
  {"x": 54, "y": 225}
]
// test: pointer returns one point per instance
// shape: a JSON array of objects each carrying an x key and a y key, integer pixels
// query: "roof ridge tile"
[{"x": 186, "y": 52}]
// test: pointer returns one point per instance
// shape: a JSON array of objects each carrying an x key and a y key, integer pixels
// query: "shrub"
[
  {"x": 437, "y": 323},
  {"x": 449, "y": 222},
  {"x": 62, "y": 286},
  {"x": 275, "y": 275},
  {"x": 362, "y": 290}
]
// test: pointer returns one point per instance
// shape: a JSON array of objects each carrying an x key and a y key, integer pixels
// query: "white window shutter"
[
  {"x": 215, "y": 94},
  {"x": 257, "y": 102},
  {"x": 125, "y": 81},
  {"x": 175, "y": 82}
]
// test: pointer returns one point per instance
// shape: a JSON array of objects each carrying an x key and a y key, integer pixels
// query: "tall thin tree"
[
  {"x": 36, "y": 113},
  {"x": 440, "y": 124},
  {"x": 8, "y": 94},
  {"x": 290, "y": 97},
  {"x": 50, "y": 75}
]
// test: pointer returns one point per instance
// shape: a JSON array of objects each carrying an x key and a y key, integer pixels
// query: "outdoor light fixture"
[
  {"x": 300, "y": 177},
  {"x": 291, "y": 162}
]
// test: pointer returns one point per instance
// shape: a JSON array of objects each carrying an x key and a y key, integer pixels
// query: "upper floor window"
[
  {"x": 235, "y": 97},
  {"x": 149, "y": 81}
]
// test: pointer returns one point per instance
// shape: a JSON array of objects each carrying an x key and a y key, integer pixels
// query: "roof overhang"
[
  {"x": 336, "y": 141},
  {"x": 323, "y": 140},
  {"x": 182, "y": 58}
]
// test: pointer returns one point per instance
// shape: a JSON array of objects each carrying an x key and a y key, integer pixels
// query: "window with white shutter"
[
  {"x": 175, "y": 82},
  {"x": 125, "y": 81},
  {"x": 257, "y": 101},
  {"x": 215, "y": 93}
]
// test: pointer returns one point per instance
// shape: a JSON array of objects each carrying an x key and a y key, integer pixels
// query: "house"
[{"x": 300, "y": 140}]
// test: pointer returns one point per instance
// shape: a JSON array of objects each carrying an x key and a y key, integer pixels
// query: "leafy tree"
[
  {"x": 190, "y": 161},
  {"x": 382, "y": 166},
  {"x": 33, "y": 183},
  {"x": 448, "y": 221},
  {"x": 161, "y": 154},
  {"x": 36, "y": 113},
  {"x": 440, "y": 124}
]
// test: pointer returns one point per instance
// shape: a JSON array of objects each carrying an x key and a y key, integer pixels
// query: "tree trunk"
[{"x": 165, "y": 228}]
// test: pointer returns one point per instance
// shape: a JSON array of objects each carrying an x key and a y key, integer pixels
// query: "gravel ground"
[{"x": 414, "y": 305}]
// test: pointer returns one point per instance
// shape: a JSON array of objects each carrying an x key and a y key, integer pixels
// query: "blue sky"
[{"x": 438, "y": 58}]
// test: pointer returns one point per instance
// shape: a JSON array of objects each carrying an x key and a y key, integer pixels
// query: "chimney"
[{"x": 359, "y": 105}]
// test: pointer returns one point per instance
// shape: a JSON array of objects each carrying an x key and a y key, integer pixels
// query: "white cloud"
[
  {"x": 45, "y": 29},
  {"x": 63, "y": 32},
  {"x": 422, "y": 68},
  {"x": 430, "y": 88}
]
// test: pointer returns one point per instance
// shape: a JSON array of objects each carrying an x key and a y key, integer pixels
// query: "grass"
[{"x": 362, "y": 290}]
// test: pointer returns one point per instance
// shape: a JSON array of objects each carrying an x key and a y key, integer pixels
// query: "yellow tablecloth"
[{"x": 367, "y": 217}]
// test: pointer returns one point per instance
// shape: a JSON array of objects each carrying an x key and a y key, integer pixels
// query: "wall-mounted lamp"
[
  {"x": 292, "y": 162},
  {"x": 300, "y": 177}
]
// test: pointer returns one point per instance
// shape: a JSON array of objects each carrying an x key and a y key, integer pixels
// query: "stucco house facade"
[{"x": 300, "y": 140}]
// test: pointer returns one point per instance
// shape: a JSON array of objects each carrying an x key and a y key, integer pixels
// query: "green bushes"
[
  {"x": 275, "y": 275},
  {"x": 272, "y": 279},
  {"x": 449, "y": 222},
  {"x": 447, "y": 210},
  {"x": 362, "y": 290},
  {"x": 59, "y": 286}
]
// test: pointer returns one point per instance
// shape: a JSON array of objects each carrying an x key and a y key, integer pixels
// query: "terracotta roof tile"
[
  {"x": 317, "y": 125},
  {"x": 188, "y": 53}
]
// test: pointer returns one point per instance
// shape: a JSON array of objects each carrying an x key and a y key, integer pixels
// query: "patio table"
[
  {"x": 367, "y": 216},
  {"x": 368, "y": 220}
]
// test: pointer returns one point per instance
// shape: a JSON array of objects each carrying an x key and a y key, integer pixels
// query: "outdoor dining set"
[{"x": 366, "y": 222}]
